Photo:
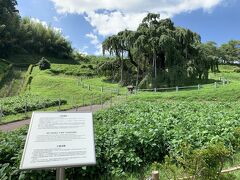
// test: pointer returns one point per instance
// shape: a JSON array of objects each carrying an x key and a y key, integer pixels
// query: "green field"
[
  {"x": 70, "y": 88},
  {"x": 3, "y": 67},
  {"x": 134, "y": 137}
]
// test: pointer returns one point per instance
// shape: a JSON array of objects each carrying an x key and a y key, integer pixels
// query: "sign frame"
[{"x": 56, "y": 166}]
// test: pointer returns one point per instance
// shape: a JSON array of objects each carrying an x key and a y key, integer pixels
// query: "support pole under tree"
[
  {"x": 176, "y": 88},
  {"x": 60, "y": 174},
  {"x": 198, "y": 86}
]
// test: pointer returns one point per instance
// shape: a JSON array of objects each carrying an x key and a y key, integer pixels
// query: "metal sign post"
[{"x": 60, "y": 174}]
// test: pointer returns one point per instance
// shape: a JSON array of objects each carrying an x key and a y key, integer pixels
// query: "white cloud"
[
  {"x": 133, "y": 6},
  {"x": 93, "y": 38},
  {"x": 112, "y": 23},
  {"x": 55, "y": 18},
  {"x": 111, "y": 16},
  {"x": 95, "y": 41}
]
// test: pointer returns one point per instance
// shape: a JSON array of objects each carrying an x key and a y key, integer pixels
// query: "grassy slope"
[
  {"x": 3, "y": 67},
  {"x": 49, "y": 85},
  {"x": 229, "y": 92},
  {"x": 13, "y": 83}
]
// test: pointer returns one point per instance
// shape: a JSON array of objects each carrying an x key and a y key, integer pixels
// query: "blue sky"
[{"x": 87, "y": 23}]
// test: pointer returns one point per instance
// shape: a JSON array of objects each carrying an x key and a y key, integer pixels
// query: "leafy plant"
[{"x": 44, "y": 64}]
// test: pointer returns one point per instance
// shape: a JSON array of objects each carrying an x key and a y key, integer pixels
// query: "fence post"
[
  {"x": 1, "y": 114},
  {"x": 155, "y": 89},
  {"x": 101, "y": 101},
  {"x": 91, "y": 103},
  {"x": 83, "y": 103},
  {"x": 215, "y": 84},
  {"x": 76, "y": 105},
  {"x": 198, "y": 86},
  {"x": 223, "y": 82},
  {"x": 155, "y": 175},
  {"x": 89, "y": 88},
  {"x": 25, "y": 110},
  {"x": 176, "y": 88},
  {"x": 111, "y": 100},
  {"x": 117, "y": 91},
  {"x": 59, "y": 105}
]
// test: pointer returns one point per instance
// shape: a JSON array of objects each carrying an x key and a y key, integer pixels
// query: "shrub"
[
  {"x": 237, "y": 70},
  {"x": 90, "y": 66},
  {"x": 44, "y": 64}
]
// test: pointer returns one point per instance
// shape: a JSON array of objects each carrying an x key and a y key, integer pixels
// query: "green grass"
[
  {"x": 200, "y": 110},
  {"x": 75, "y": 70},
  {"x": 13, "y": 83},
  {"x": 3, "y": 67},
  {"x": 46, "y": 84}
]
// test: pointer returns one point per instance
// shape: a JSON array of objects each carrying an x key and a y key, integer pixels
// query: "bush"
[
  {"x": 90, "y": 66},
  {"x": 44, "y": 64},
  {"x": 237, "y": 70}
]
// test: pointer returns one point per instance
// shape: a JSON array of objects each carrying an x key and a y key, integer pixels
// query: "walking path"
[{"x": 17, "y": 124}]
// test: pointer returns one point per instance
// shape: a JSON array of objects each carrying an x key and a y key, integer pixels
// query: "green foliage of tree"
[
  {"x": 44, "y": 64},
  {"x": 23, "y": 35},
  {"x": 159, "y": 53},
  {"x": 34, "y": 37},
  {"x": 230, "y": 52},
  {"x": 9, "y": 24}
]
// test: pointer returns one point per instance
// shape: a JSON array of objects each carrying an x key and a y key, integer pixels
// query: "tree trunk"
[{"x": 133, "y": 62}]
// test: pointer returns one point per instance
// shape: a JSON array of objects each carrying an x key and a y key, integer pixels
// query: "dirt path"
[{"x": 18, "y": 124}]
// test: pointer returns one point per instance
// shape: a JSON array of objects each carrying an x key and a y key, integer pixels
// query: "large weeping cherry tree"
[{"x": 158, "y": 54}]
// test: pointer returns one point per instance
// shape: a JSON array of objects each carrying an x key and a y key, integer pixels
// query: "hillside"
[{"x": 147, "y": 126}]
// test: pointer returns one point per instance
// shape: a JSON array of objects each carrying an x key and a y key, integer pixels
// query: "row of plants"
[
  {"x": 132, "y": 136},
  {"x": 75, "y": 70},
  {"x": 4, "y": 70},
  {"x": 26, "y": 102}
]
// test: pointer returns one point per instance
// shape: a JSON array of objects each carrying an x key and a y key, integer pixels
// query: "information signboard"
[{"x": 59, "y": 140}]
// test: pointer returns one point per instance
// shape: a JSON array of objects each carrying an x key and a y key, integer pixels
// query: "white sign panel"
[{"x": 59, "y": 140}]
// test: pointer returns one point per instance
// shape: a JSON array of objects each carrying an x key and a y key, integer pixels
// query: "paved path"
[{"x": 21, "y": 123}]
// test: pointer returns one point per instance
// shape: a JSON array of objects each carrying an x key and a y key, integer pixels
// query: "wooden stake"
[{"x": 155, "y": 175}]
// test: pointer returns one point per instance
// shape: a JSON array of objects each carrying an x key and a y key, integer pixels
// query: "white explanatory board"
[{"x": 59, "y": 140}]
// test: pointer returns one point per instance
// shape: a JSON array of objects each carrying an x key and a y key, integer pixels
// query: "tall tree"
[
  {"x": 230, "y": 52},
  {"x": 9, "y": 22},
  {"x": 160, "y": 53}
]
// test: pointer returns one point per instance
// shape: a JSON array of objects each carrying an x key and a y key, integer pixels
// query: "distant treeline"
[{"x": 24, "y": 35}]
